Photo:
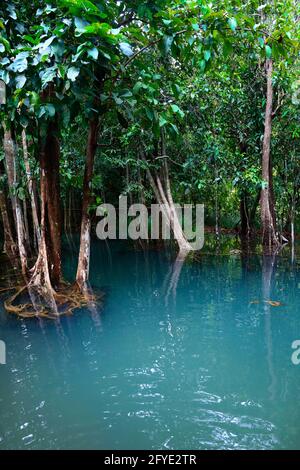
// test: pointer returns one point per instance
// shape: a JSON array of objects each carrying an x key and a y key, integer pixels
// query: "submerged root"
[{"x": 67, "y": 299}]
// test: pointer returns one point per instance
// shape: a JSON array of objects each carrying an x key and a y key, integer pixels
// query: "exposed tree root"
[{"x": 67, "y": 299}]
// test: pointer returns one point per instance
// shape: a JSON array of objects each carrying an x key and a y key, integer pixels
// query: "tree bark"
[
  {"x": 268, "y": 220},
  {"x": 162, "y": 191},
  {"x": 26, "y": 225},
  {"x": 50, "y": 157},
  {"x": 36, "y": 225},
  {"x": 9, "y": 245},
  {"x": 83, "y": 266},
  {"x": 244, "y": 215},
  {"x": 11, "y": 170},
  {"x": 40, "y": 285},
  {"x": 47, "y": 269}
]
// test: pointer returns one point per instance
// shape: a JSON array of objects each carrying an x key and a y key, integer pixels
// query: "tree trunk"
[
  {"x": 47, "y": 269},
  {"x": 253, "y": 210},
  {"x": 36, "y": 225},
  {"x": 244, "y": 214},
  {"x": 82, "y": 274},
  {"x": 163, "y": 194},
  {"x": 50, "y": 167},
  {"x": 268, "y": 221},
  {"x": 9, "y": 246},
  {"x": 11, "y": 170},
  {"x": 26, "y": 225},
  {"x": 184, "y": 245},
  {"x": 40, "y": 285},
  {"x": 293, "y": 229}
]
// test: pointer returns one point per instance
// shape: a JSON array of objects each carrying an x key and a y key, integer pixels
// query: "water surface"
[{"x": 180, "y": 356}]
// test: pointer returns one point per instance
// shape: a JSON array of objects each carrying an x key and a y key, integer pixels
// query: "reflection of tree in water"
[
  {"x": 268, "y": 271},
  {"x": 173, "y": 276}
]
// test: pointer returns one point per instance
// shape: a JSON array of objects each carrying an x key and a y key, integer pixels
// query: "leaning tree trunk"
[
  {"x": 268, "y": 220},
  {"x": 34, "y": 211},
  {"x": 83, "y": 266},
  {"x": 11, "y": 169},
  {"x": 162, "y": 190}
]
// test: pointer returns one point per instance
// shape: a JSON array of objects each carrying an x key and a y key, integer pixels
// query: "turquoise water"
[{"x": 180, "y": 355}]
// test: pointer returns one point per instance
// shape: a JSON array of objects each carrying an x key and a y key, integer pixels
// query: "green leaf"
[
  {"x": 4, "y": 75},
  {"x": 125, "y": 93},
  {"x": 50, "y": 109},
  {"x": 11, "y": 11},
  {"x": 99, "y": 29},
  {"x": 232, "y": 24},
  {"x": 5, "y": 43},
  {"x": 126, "y": 49},
  {"x": 202, "y": 65},
  {"x": 20, "y": 62},
  {"x": 167, "y": 43},
  {"x": 117, "y": 99},
  {"x": 80, "y": 25},
  {"x": 20, "y": 81},
  {"x": 149, "y": 114},
  {"x": 207, "y": 55},
  {"x": 93, "y": 53},
  {"x": 73, "y": 73},
  {"x": 175, "y": 128},
  {"x": 177, "y": 110},
  {"x": 137, "y": 87},
  {"x": 162, "y": 121},
  {"x": 34, "y": 98},
  {"x": 105, "y": 54},
  {"x": 268, "y": 51},
  {"x": 47, "y": 75}
]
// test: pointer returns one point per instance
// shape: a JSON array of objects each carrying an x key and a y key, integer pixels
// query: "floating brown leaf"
[{"x": 273, "y": 303}]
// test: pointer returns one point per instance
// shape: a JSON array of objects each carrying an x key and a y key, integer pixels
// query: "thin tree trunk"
[
  {"x": 217, "y": 227},
  {"x": 36, "y": 225},
  {"x": 65, "y": 214},
  {"x": 26, "y": 225},
  {"x": 293, "y": 230},
  {"x": 70, "y": 225},
  {"x": 269, "y": 236},
  {"x": 244, "y": 214},
  {"x": 253, "y": 209},
  {"x": 11, "y": 169},
  {"x": 9, "y": 246},
  {"x": 83, "y": 266}
]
